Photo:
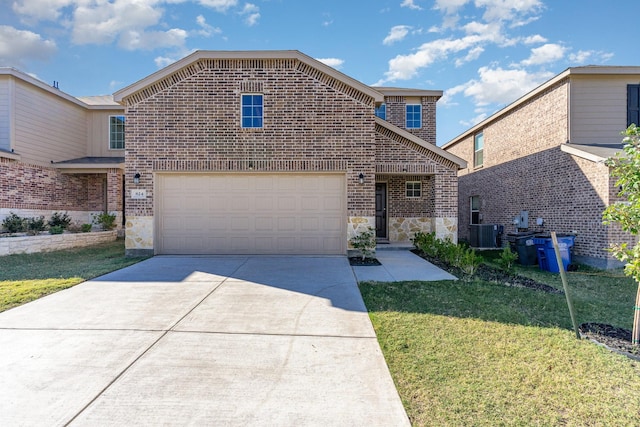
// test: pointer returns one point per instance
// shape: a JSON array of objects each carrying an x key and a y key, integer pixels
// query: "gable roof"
[
  {"x": 201, "y": 55},
  {"x": 568, "y": 73},
  {"x": 422, "y": 143}
]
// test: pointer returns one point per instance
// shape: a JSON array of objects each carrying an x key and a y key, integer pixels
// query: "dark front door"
[{"x": 381, "y": 211}]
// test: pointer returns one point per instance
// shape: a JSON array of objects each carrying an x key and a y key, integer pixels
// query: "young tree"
[{"x": 626, "y": 167}]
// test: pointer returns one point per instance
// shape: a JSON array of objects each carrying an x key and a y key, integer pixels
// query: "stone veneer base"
[{"x": 53, "y": 242}]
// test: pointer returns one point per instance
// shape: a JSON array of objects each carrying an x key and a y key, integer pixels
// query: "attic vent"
[{"x": 251, "y": 86}]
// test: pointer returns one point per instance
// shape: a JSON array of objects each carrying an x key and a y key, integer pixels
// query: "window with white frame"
[
  {"x": 478, "y": 149},
  {"x": 474, "y": 202},
  {"x": 413, "y": 189},
  {"x": 252, "y": 110},
  {"x": 381, "y": 111},
  {"x": 116, "y": 132},
  {"x": 414, "y": 116}
]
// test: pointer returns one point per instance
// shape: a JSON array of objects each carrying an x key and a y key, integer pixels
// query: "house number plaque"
[{"x": 138, "y": 194}]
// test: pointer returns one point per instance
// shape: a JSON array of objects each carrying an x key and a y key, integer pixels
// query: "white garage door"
[{"x": 251, "y": 214}]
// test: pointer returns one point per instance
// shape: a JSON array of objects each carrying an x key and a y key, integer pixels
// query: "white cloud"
[
  {"x": 472, "y": 55},
  {"x": 103, "y": 23},
  {"x": 450, "y": 6},
  {"x": 19, "y": 46},
  {"x": 593, "y": 56},
  {"x": 410, "y": 4},
  {"x": 251, "y": 12},
  {"x": 545, "y": 54},
  {"x": 508, "y": 10},
  {"x": 41, "y": 10},
  {"x": 206, "y": 30},
  {"x": 163, "y": 61},
  {"x": 134, "y": 40},
  {"x": 500, "y": 86},
  {"x": 534, "y": 39},
  {"x": 219, "y": 5},
  {"x": 332, "y": 62},
  {"x": 396, "y": 34}
]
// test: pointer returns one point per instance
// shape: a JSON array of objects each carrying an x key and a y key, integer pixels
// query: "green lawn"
[
  {"x": 27, "y": 277},
  {"x": 481, "y": 354}
]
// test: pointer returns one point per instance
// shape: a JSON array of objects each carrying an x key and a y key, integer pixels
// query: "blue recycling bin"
[{"x": 547, "y": 255}]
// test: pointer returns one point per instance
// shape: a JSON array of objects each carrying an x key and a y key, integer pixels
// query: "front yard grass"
[
  {"x": 482, "y": 354},
  {"x": 27, "y": 277}
]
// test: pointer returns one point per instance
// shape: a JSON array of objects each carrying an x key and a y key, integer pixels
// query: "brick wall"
[
  {"x": 310, "y": 124},
  {"x": 396, "y": 115},
  {"x": 37, "y": 187},
  {"x": 525, "y": 169}
]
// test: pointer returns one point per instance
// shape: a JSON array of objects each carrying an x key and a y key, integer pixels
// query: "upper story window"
[
  {"x": 252, "y": 111},
  {"x": 478, "y": 147},
  {"x": 414, "y": 116},
  {"x": 381, "y": 111},
  {"x": 116, "y": 132},
  {"x": 633, "y": 105},
  {"x": 413, "y": 188}
]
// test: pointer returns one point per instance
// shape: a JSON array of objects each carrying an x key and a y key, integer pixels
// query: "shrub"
[
  {"x": 86, "y": 228},
  {"x": 13, "y": 223},
  {"x": 60, "y": 220},
  {"x": 507, "y": 259},
  {"x": 106, "y": 220},
  {"x": 427, "y": 243},
  {"x": 365, "y": 242},
  {"x": 34, "y": 226},
  {"x": 459, "y": 255},
  {"x": 56, "y": 229},
  {"x": 468, "y": 261}
]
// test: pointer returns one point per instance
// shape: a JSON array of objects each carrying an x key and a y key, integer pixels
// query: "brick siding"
[
  {"x": 397, "y": 113},
  {"x": 525, "y": 169}
]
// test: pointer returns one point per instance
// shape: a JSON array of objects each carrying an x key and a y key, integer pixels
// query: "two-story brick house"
[
  {"x": 58, "y": 152},
  {"x": 275, "y": 152},
  {"x": 544, "y": 154}
]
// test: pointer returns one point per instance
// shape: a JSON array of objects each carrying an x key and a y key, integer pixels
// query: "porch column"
[{"x": 114, "y": 194}]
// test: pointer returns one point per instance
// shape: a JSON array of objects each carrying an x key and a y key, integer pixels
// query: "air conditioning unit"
[{"x": 484, "y": 236}]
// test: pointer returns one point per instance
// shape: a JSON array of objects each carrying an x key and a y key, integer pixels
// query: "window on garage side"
[
  {"x": 381, "y": 111},
  {"x": 414, "y": 116},
  {"x": 633, "y": 105},
  {"x": 474, "y": 201},
  {"x": 116, "y": 132},
  {"x": 252, "y": 111},
  {"x": 413, "y": 189},
  {"x": 478, "y": 150}
]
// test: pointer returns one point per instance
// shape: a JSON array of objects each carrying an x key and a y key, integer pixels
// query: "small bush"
[
  {"x": 468, "y": 260},
  {"x": 365, "y": 242},
  {"x": 507, "y": 259},
  {"x": 13, "y": 223},
  {"x": 105, "y": 220},
  {"x": 34, "y": 226},
  {"x": 458, "y": 255},
  {"x": 56, "y": 229},
  {"x": 60, "y": 220},
  {"x": 86, "y": 228}
]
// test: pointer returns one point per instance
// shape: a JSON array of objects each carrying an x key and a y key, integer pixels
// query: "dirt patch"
[
  {"x": 494, "y": 275},
  {"x": 358, "y": 261},
  {"x": 612, "y": 337}
]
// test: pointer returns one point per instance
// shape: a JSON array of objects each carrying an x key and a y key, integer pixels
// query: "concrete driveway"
[{"x": 225, "y": 340}]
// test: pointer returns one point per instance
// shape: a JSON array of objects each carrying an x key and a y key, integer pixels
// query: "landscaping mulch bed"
[
  {"x": 493, "y": 275},
  {"x": 358, "y": 261},
  {"x": 612, "y": 337}
]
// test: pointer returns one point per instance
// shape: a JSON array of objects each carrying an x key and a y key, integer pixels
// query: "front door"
[{"x": 381, "y": 210}]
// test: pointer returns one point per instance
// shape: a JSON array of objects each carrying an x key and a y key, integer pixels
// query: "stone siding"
[{"x": 53, "y": 242}]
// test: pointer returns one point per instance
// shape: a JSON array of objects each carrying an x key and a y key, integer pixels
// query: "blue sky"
[{"x": 482, "y": 53}]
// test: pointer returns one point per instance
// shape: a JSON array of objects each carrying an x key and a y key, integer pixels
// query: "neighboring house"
[
  {"x": 544, "y": 155},
  {"x": 57, "y": 152},
  {"x": 274, "y": 152}
]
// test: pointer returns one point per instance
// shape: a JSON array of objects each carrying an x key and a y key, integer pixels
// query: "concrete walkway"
[
  {"x": 398, "y": 266},
  {"x": 233, "y": 341}
]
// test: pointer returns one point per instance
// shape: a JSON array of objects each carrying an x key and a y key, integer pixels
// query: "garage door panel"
[{"x": 251, "y": 214}]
